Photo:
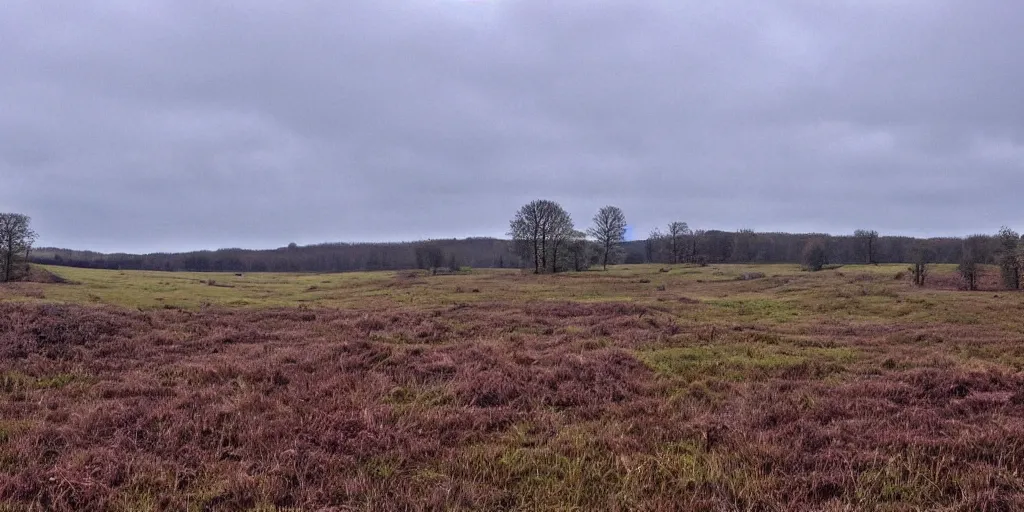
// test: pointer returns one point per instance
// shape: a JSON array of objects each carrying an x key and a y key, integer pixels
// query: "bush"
[
  {"x": 814, "y": 256},
  {"x": 969, "y": 271}
]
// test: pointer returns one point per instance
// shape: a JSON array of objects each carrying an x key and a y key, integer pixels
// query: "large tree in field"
[
  {"x": 539, "y": 229},
  {"x": 562, "y": 233},
  {"x": 16, "y": 239},
  {"x": 868, "y": 240},
  {"x": 609, "y": 231}
]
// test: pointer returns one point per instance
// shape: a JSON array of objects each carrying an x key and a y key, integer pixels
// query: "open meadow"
[{"x": 646, "y": 387}]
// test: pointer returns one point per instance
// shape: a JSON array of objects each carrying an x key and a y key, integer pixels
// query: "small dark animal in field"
[
  {"x": 664, "y": 270},
  {"x": 661, "y": 287},
  {"x": 238, "y": 275},
  {"x": 644, "y": 281}
]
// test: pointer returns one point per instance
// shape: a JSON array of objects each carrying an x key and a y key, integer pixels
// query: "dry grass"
[{"x": 841, "y": 390}]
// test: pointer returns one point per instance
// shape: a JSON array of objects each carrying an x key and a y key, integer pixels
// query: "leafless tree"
[
  {"x": 538, "y": 230},
  {"x": 609, "y": 231},
  {"x": 16, "y": 239},
  {"x": 562, "y": 232},
  {"x": 971, "y": 259},
  {"x": 652, "y": 246},
  {"x": 429, "y": 256},
  {"x": 921, "y": 256},
  {"x": 868, "y": 240},
  {"x": 676, "y": 239},
  {"x": 693, "y": 247},
  {"x": 579, "y": 251}
]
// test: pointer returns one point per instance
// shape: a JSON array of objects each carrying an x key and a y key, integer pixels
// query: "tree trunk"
[
  {"x": 536, "y": 256},
  {"x": 8, "y": 263},
  {"x": 544, "y": 251}
]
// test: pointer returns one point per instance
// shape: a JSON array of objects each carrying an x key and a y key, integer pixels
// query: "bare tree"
[
  {"x": 676, "y": 239},
  {"x": 693, "y": 247},
  {"x": 579, "y": 251},
  {"x": 562, "y": 232},
  {"x": 16, "y": 239},
  {"x": 538, "y": 230},
  {"x": 609, "y": 231},
  {"x": 430, "y": 256},
  {"x": 921, "y": 256},
  {"x": 1009, "y": 258},
  {"x": 971, "y": 259},
  {"x": 528, "y": 231},
  {"x": 652, "y": 246},
  {"x": 868, "y": 240}
]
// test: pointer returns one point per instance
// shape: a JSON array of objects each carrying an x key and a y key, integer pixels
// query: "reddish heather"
[{"x": 497, "y": 406}]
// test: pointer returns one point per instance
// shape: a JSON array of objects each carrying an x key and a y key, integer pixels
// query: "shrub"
[
  {"x": 814, "y": 256},
  {"x": 969, "y": 272}
]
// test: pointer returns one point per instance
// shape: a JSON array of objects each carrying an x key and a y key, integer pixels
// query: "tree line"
[
  {"x": 328, "y": 257},
  {"x": 542, "y": 237}
]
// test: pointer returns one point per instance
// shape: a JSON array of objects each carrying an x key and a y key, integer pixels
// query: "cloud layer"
[{"x": 179, "y": 124}]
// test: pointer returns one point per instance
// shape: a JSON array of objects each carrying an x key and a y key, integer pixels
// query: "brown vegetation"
[{"x": 509, "y": 405}]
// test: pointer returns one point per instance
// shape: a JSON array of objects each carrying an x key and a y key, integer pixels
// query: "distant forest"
[{"x": 699, "y": 246}]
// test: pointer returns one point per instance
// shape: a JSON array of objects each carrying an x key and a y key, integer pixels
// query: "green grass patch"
[{"x": 747, "y": 361}]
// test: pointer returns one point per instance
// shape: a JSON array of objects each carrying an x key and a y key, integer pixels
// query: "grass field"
[{"x": 640, "y": 388}]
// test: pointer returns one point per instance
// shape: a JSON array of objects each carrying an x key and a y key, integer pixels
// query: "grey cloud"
[{"x": 168, "y": 125}]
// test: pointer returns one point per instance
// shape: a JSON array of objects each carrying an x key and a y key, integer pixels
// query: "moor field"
[{"x": 640, "y": 388}]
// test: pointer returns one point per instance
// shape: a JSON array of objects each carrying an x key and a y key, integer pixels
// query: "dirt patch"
[{"x": 40, "y": 275}]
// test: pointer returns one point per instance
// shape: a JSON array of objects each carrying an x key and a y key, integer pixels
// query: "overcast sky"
[{"x": 181, "y": 124}]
